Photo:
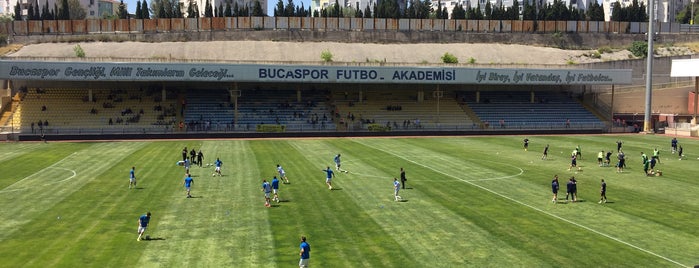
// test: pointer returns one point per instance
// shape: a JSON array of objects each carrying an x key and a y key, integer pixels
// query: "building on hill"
[{"x": 93, "y": 8}]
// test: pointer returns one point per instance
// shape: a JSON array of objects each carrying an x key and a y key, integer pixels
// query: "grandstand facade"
[{"x": 79, "y": 99}]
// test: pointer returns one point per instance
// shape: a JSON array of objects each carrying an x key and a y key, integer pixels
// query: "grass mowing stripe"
[
  {"x": 544, "y": 212},
  {"x": 406, "y": 222},
  {"x": 44, "y": 204}
]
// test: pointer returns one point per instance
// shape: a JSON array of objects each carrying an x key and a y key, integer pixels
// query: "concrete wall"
[
  {"x": 332, "y": 24},
  {"x": 136, "y": 33}
]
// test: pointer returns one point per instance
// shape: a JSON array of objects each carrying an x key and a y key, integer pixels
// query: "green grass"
[{"x": 473, "y": 201}]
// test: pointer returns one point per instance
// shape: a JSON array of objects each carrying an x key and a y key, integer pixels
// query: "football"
[{"x": 213, "y": 175}]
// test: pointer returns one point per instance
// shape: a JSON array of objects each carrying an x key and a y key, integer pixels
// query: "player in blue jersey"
[
  {"x": 267, "y": 189},
  {"x": 217, "y": 169},
  {"x": 188, "y": 181},
  {"x": 275, "y": 189},
  {"x": 305, "y": 253},
  {"x": 132, "y": 178},
  {"x": 282, "y": 173},
  {"x": 142, "y": 224},
  {"x": 329, "y": 177},
  {"x": 337, "y": 164},
  {"x": 673, "y": 143},
  {"x": 396, "y": 188}
]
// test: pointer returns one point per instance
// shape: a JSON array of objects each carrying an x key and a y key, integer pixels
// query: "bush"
[
  {"x": 639, "y": 49},
  {"x": 270, "y": 128},
  {"x": 327, "y": 56},
  {"x": 605, "y": 49},
  {"x": 471, "y": 60},
  {"x": 79, "y": 52},
  {"x": 378, "y": 128},
  {"x": 449, "y": 58},
  {"x": 3, "y": 40}
]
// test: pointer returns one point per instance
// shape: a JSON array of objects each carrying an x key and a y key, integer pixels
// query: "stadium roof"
[{"x": 205, "y": 72}]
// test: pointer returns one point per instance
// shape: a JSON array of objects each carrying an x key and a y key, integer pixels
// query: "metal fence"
[{"x": 92, "y": 26}]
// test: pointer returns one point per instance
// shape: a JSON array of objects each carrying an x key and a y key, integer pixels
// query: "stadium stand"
[
  {"x": 400, "y": 110},
  {"x": 110, "y": 111},
  {"x": 521, "y": 109},
  {"x": 213, "y": 110}
]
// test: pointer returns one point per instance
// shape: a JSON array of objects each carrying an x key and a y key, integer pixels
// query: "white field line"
[
  {"x": 6, "y": 189},
  {"x": 541, "y": 211}
]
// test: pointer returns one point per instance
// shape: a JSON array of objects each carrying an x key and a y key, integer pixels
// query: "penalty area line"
[
  {"x": 6, "y": 190},
  {"x": 542, "y": 211}
]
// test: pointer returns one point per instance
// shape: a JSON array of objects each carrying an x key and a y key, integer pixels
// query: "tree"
[
  {"x": 438, "y": 12},
  {"x": 208, "y": 11},
  {"x": 46, "y": 13},
  {"x": 488, "y": 10},
  {"x": 257, "y": 10},
  {"x": 685, "y": 15},
  {"x": 177, "y": 13},
  {"x": 279, "y": 9},
  {"x": 529, "y": 12},
  {"x": 138, "y": 10},
  {"x": 145, "y": 12},
  {"x": 121, "y": 12},
  {"x": 192, "y": 11},
  {"x": 358, "y": 14},
  {"x": 228, "y": 12},
  {"x": 458, "y": 13},
  {"x": 289, "y": 8},
  {"x": 64, "y": 12},
  {"x": 160, "y": 11},
  {"x": 514, "y": 11},
  {"x": 77, "y": 12},
  {"x": 367, "y": 12},
  {"x": 617, "y": 12},
  {"x": 18, "y": 12},
  {"x": 30, "y": 12},
  {"x": 37, "y": 13}
]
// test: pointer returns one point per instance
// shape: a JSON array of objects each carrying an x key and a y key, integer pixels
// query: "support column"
[
  {"x": 163, "y": 93},
  {"x": 531, "y": 96},
  {"x": 298, "y": 94},
  {"x": 478, "y": 96},
  {"x": 696, "y": 97},
  {"x": 611, "y": 109},
  {"x": 90, "y": 96},
  {"x": 235, "y": 93}
]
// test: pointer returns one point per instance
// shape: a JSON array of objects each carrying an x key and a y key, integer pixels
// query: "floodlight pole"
[{"x": 649, "y": 69}]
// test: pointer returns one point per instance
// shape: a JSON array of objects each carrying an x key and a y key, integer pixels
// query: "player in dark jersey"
[{"x": 603, "y": 193}]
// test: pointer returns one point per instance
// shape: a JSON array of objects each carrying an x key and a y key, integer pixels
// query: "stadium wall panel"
[
  {"x": 218, "y": 24},
  {"x": 79, "y": 26},
  {"x": 177, "y": 25},
  {"x": 93, "y": 26},
  {"x": 163, "y": 25},
  {"x": 121, "y": 25},
  {"x": 50, "y": 26},
  {"x": 35, "y": 27}
]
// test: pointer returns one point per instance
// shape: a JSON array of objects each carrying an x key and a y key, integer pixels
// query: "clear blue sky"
[{"x": 270, "y": 5}]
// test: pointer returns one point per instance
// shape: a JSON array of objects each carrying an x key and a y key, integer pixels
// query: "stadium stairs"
[
  {"x": 68, "y": 110},
  {"x": 515, "y": 110},
  {"x": 399, "y": 110}
]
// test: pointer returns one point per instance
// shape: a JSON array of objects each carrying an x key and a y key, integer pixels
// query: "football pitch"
[{"x": 468, "y": 202}]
